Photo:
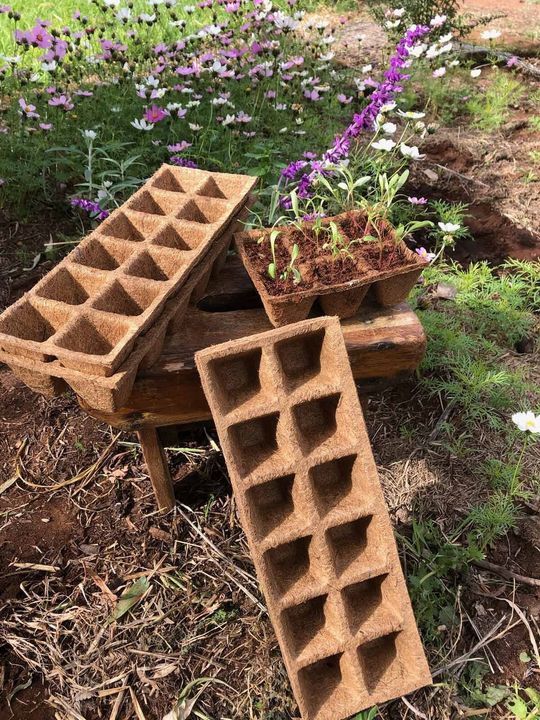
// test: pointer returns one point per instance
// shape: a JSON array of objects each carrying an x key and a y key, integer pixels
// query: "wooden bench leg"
[{"x": 158, "y": 468}]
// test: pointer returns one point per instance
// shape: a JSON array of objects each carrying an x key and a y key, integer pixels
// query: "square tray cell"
[
  {"x": 378, "y": 661},
  {"x": 92, "y": 337},
  {"x": 237, "y": 379},
  {"x": 272, "y": 506},
  {"x": 145, "y": 202},
  {"x": 327, "y": 685},
  {"x": 221, "y": 185},
  {"x": 122, "y": 227},
  {"x": 316, "y": 421},
  {"x": 181, "y": 238},
  {"x": 302, "y": 357},
  {"x": 311, "y": 627},
  {"x": 166, "y": 180},
  {"x": 127, "y": 297},
  {"x": 156, "y": 265},
  {"x": 101, "y": 255},
  {"x": 70, "y": 286},
  {"x": 255, "y": 442},
  {"x": 339, "y": 483},
  {"x": 354, "y": 546},
  {"x": 289, "y": 568},
  {"x": 371, "y": 604},
  {"x": 26, "y": 322}
]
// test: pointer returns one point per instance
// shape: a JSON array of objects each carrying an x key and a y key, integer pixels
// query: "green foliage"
[
  {"x": 527, "y": 708},
  {"x": 435, "y": 568},
  {"x": 493, "y": 519},
  {"x": 490, "y": 107}
]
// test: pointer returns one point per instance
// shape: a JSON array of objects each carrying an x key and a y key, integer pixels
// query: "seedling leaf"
[{"x": 129, "y": 598}]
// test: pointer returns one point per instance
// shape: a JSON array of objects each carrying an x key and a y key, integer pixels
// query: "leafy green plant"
[
  {"x": 490, "y": 107},
  {"x": 525, "y": 709}
]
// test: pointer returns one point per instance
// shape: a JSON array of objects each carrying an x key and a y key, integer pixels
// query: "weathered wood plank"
[{"x": 382, "y": 343}]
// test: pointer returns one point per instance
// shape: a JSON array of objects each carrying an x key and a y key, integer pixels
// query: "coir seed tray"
[
  {"x": 89, "y": 310},
  {"x": 310, "y": 501},
  {"x": 107, "y": 394},
  {"x": 389, "y": 287}
]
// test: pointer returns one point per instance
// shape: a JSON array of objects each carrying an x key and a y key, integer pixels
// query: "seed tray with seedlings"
[
  {"x": 110, "y": 393},
  {"x": 334, "y": 260},
  {"x": 88, "y": 311},
  {"x": 294, "y": 439}
]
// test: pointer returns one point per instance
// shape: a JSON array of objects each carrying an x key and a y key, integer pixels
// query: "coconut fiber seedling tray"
[
  {"x": 287, "y": 303},
  {"x": 107, "y": 394},
  {"x": 310, "y": 501},
  {"x": 89, "y": 310}
]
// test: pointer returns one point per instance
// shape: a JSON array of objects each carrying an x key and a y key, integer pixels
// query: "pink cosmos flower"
[
  {"x": 179, "y": 147},
  {"x": 39, "y": 37},
  {"x": 417, "y": 200},
  {"x": 344, "y": 100},
  {"x": 28, "y": 110},
  {"x": 312, "y": 95},
  {"x": 512, "y": 61},
  {"x": 424, "y": 254},
  {"x": 155, "y": 114},
  {"x": 62, "y": 101},
  {"x": 45, "y": 126}
]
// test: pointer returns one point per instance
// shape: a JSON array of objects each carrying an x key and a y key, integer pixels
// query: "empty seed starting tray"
[
  {"x": 89, "y": 310},
  {"x": 107, "y": 394},
  {"x": 294, "y": 439}
]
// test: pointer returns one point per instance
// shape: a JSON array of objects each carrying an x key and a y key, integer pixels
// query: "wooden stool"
[{"x": 384, "y": 344}]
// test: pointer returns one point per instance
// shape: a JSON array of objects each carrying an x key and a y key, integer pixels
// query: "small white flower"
[
  {"x": 449, "y": 227},
  {"x": 90, "y": 134},
  {"x": 389, "y": 25},
  {"x": 410, "y": 151},
  {"x": 123, "y": 14},
  {"x": 195, "y": 127},
  {"x": 446, "y": 48},
  {"x": 111, "y": 3},
  {"x": 48, "y": 67},
  {"x": 152, "y": 81},
  {"x": 527, "y": 421},
  {"x": 142, "y": 125},
  {"x": 432, "y": 52},
  {"x": 446, "y": 38},
  {"x": 411, "y": 115},
  {"x": 418, "y": 50},
  {"x": 438, "y": 21},
  {"x": 388, "y": 107},
  {"x": 398, "y": 12},
  {"x": 389, "y": 128},
  {"x": 439, "y": 72},
  {"x": 453, "y": 63},
  {"x": 384, "y": 144},
  {"x": 491, "y": 34},
  {"x": 229, "y": 120},
  {"x": 476, "y": 72},
  {"x": 367, "y": 68},
  {"x": 145, "y": 17}
]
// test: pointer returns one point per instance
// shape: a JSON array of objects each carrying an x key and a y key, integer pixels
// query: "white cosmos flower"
[
  {"x": 111, "y": 3},
  {"x": 491, "y": 34},
  {"x": 412, "y": 115},
  {"x": 388, "y": 107},
  {"x": 438, "y": 21},
  {"x": 195, "y": 127},
  {"x": 527, "y": 421},
  {"x": 229, "y": 120},
  {"x": 445, "y": 38},
  {"x": 446, "y": 48},
  {"x": 384, "y": 144},
  {"x": 418, "y": 50},
  {"x": 145, "y": 17},
  {"x": 367, "y": 68},
  {"x": 476, "y": 72},
  {"x": 389, "y": 128},
  {"x": 391, "y": 25},
  {"x": 123, "y": 14},
  {"x": 439, "y": 72},
  {"x": 453, "y": 63},
  {"x": 48, "y": 67},
  {"x": 142, "y": 125},
  {"x": 432, "y": 52},
  {"x": 449, "y": 227},
  {"x": 398, "y": 12},
  {"x": 90, "y": 134},
  {"x": 410, "y": 151}
]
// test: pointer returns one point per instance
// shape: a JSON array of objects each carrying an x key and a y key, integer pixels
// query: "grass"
[{"x": 490, "y": 108}]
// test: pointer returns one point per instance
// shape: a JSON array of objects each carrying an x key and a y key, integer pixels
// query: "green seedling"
[{"x": 272, "y": 267}]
